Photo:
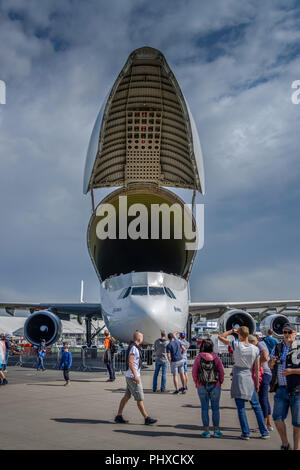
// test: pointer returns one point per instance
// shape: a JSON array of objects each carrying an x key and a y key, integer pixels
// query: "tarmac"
[{"x": 39, "y": 413}]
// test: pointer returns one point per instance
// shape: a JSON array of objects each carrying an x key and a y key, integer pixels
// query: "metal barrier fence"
[{"x": 90, "y": 359}]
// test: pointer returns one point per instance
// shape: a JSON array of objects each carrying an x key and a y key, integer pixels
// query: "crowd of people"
[
  {"x": 261, "y": 366},
  {"x": 258, "y": 365}
]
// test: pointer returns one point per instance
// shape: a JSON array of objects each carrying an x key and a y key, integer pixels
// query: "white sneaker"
[{"x": 270, "y": 428}]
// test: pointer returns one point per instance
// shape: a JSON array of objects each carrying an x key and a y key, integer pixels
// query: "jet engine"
[
  {"x": 42, "y": 325},
  {"x": 274, "y": 322},
  {"x": 235, "y": 319}
]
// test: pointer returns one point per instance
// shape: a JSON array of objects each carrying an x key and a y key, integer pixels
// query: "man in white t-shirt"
[{"x": 133, "y": 380}]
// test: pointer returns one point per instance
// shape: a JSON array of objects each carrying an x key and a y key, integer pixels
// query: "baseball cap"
[
  {"x": 288, "y": 326},
  {"x": 252, "y": 338},
  {"x": 182, "y": 335}
]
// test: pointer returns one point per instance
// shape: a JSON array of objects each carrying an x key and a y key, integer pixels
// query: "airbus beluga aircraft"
[{"x": 144, "y": 144}]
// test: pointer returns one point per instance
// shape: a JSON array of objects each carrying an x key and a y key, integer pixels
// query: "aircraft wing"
[
  {"x": 62, "y": 310},
  {"x": 212, "y": 310}
]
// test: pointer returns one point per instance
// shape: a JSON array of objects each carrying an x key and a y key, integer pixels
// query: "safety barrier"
[{"x": 91, "y": 359}]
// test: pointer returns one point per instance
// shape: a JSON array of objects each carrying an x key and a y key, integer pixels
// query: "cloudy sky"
[{"x": 235, "y": 62}]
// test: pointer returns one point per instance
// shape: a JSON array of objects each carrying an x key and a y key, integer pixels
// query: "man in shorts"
[
  {"x": 174, "y": 352},
  {"x": 285, "y": 357},
  {"x": 133, "y": 380}
]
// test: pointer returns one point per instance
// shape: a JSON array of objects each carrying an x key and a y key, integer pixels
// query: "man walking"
[
  {"x": 108, "y": 357},
  {"x": 133, "y": 380},
  {"x": 41, "y": 353},
  {"x": 161, "y": 361},
  {"x": 174, "y": 352},
  {"x": 285, "y": 360}
]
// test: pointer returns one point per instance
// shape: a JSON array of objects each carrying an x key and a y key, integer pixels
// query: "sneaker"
[
  {"x": 244, "y": 438},
  {"x": 164, "y": 391},
  {"x": 176, "y": 392},
  {"x": 265, "y": 436},
  {"x": 270, "y": 428},
  {"x": 67, "y": 383},
  {"x": 218, "y": 433},
  {"x": 120, "y": 419},
  {"x": 287, "y": 447},
  {"x": 205, "y": 434},
  {"x": 149, "y": 420},
  {"x": 110, "y": 380},
  {"x": 4, "y": 382},
  {"x": 183, "y": 391}
]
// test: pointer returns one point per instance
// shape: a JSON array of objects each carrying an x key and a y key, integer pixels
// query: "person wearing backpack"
[
  {"x": 285, "y": 362},
  {"x": 208, "y": 375},
  {"x": 242, "y": 386},
  {"x": 108, "y": 356}
]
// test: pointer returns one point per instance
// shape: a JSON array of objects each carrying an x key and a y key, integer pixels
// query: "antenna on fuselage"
[{"x": 81, "y": 293}]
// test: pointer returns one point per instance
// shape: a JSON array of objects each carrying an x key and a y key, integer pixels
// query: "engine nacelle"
[
  {"x": 274, "y": 322},
  {"x": 42, "y": 325},
  {"x": 235, "y": 319}
]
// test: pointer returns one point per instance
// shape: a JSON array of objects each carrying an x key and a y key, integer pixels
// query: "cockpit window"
[
  {"x": 156, "y": 291},
  {"x": 126, "y": 293},
  {"x": 170, "y": 293},
  {"x": 139, "y": 290}
]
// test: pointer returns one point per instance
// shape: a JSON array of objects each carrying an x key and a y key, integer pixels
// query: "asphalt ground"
[{"x": 39, "y": 413}]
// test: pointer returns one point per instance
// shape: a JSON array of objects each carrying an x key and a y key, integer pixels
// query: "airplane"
[{"x": 143, "y": 143}]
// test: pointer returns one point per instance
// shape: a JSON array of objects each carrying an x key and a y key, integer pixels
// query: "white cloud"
[{"x": 249, "y": 133}]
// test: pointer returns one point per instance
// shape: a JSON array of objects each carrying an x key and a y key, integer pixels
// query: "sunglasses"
[{"x": 287, "y": 332}]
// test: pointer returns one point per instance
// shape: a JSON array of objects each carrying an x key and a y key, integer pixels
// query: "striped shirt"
[{"x": 282, "y": 366}]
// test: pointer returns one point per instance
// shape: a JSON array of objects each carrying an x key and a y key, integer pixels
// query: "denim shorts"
[{"x": 282, "y": 403}]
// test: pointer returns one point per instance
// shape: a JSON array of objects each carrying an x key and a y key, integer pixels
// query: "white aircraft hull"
[{"x": 146, "y": 313}]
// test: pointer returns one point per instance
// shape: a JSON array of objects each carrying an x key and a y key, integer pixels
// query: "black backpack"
[
  {"x": 208, "y": 372},
  {"x": 114, "y": 347}
]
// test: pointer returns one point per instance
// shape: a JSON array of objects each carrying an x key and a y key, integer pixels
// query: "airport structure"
[{"x": 144, "y": 146}]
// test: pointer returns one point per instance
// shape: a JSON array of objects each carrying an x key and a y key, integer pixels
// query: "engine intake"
[
  {"x": 42, "y": 325},
  {"x": 274, "y": 322},
  {"x": 235, "y": 319}
]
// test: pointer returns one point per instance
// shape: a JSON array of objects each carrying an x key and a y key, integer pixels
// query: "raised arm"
[{"x": 223, "y": 337}]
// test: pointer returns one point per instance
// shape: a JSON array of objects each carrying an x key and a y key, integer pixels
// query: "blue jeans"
[
  {"x": 164, "y": 366},
  {"x": 40, "y": 363},
  {"x": 210, "y": 393},
  {"x": 282, "y": 402},
  {"x": 6, "y": 360},
  {"x": 240, "y": 403},
  {"x": 263, "y": 395}
]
